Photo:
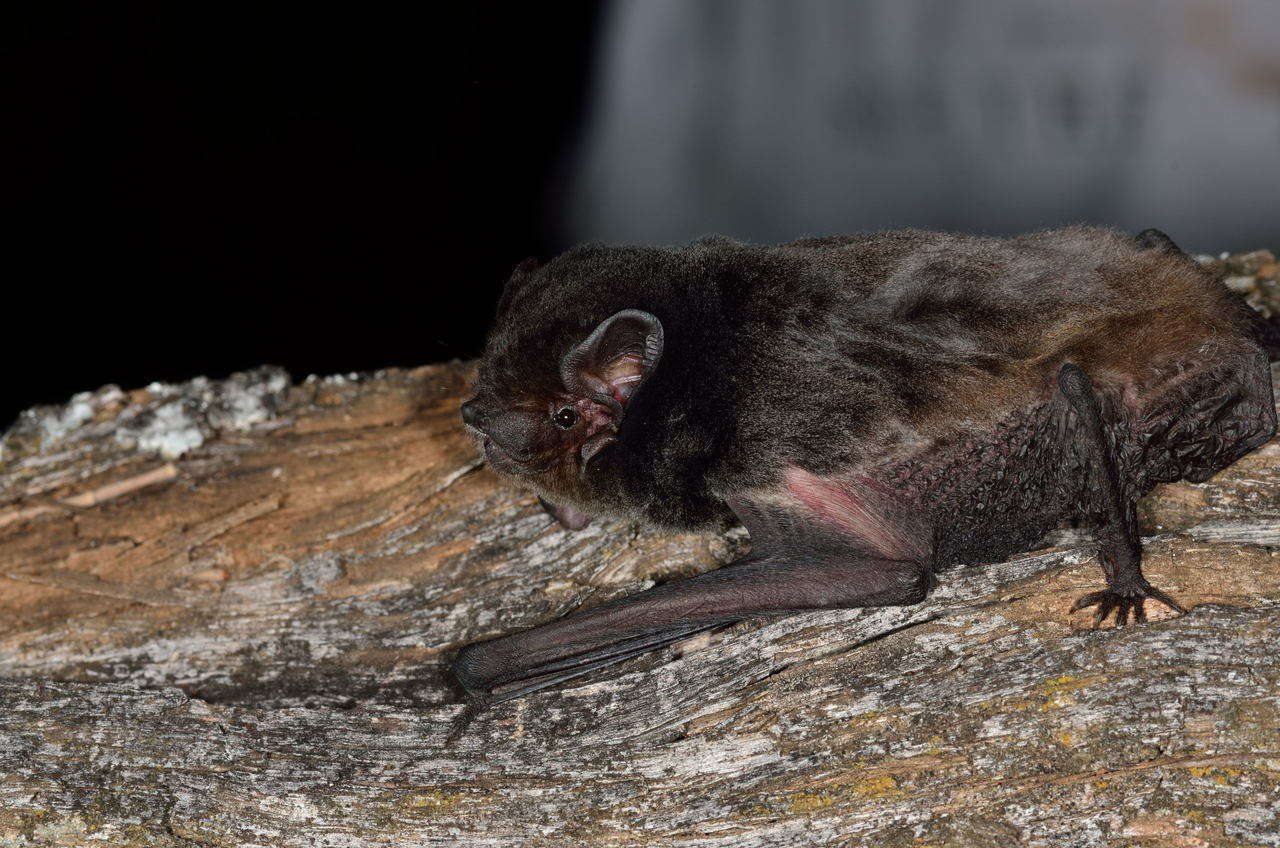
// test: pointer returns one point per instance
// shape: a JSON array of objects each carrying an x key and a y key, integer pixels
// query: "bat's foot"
[{"x": 1123, "y": 602}]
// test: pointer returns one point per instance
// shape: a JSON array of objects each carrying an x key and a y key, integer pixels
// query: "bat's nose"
[{"x": 472, "y": 415}]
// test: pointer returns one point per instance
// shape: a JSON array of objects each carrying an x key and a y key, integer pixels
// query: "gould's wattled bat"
[{"x": 872, "y": 408}]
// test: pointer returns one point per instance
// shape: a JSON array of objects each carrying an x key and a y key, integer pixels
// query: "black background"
[
  {"x": 204, "y": 189},
  {"x": 201, "y": 189}
]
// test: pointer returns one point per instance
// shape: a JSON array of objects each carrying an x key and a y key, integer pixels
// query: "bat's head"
[{"x": 553, "y": 388}]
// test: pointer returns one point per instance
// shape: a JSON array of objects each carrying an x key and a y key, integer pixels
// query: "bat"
[{"x": 872, "y": 408}]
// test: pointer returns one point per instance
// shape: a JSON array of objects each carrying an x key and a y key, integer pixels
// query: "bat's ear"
[
  {"x": 519, "y": 276},
  {"x": 616, "y": 358}
]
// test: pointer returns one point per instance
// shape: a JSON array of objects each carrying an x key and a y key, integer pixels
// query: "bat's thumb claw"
[{"x": 477, "y": 702}]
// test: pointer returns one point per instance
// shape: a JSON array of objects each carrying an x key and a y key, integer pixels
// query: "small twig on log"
[
  {"x": 84, "y": 500},
  {"x": 164, "y": 473}
]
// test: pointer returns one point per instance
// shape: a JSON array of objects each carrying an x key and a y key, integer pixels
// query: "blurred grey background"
[{"x": 770, "y": 120}]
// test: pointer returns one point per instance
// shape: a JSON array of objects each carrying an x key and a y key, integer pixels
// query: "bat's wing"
[{"x": 817, "y": 544}]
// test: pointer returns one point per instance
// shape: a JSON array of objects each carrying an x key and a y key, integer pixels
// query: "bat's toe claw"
[
  {"x": 1089, "y": 600},
  {"x": 1125, "y": 602},
  {"x": 1153, "y": 592}
]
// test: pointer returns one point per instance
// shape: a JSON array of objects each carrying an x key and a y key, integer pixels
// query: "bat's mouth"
[{"x": 504, "y": 462}]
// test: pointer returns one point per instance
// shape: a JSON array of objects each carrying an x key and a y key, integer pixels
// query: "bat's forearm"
[{"x": 615, "y": 631}]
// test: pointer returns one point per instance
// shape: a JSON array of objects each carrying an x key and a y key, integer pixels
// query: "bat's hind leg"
[{"x": 1119, "y": 548}]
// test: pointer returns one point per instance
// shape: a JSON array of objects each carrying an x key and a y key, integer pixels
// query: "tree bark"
[{"x": 227, "y": 611}]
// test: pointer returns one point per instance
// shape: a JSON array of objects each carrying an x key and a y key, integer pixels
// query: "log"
[{"x": 227, "y": 610}]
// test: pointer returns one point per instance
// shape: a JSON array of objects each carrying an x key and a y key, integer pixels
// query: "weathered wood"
[{"x": 228, "y": 607}]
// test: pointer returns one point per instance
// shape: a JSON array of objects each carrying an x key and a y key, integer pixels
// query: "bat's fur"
[
  {"x": 906, "y": 391},
  {"x": 831, "y": 354}
]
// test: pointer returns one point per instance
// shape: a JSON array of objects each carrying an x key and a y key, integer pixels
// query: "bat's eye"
[{"x": 565, "y": 417}]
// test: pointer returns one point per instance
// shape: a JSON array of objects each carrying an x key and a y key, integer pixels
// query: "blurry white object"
[{"x": 768, "y": 120}]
